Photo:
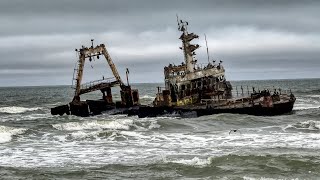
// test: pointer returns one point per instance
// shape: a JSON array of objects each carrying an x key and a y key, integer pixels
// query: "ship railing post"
[
  {"x": 237, "y": 91},
  {"x": 248, "y": 90},
  {"x": 274, "y": 89},
  {"x": 241, "y": 91}
]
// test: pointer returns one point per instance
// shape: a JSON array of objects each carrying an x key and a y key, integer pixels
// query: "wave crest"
[
  {"x": 147, "y": 97},
  {"x": 309, "y": 125},
  {"x": 94, "y": 124},
  {"x": 191, "y": 162},
  {"x": 16, "y": 109},
  {"x": 6, "y": 133}
]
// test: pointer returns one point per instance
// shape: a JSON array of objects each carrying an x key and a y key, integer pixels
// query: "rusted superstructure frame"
[
  {"x": 188, "y": 83},
  {"x": 91, "y": 52},
  {"x": 129, "y": 97},
  {"x": 188, "y": 49}
]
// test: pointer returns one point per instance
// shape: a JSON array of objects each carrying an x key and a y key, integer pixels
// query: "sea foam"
[
  {"x": 191, "y": 162},
  {"x": 94, "y": 124},
  {"x": 16, "y": 109},
  {"x": 311, "y": 125},
  {"x": 6, "y": 133},
  {"x": 305, "y": 107},
  {"x": 147, "y": 97}
]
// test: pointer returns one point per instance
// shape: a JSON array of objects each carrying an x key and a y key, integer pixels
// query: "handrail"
[
  {"x": 93, "y": 83},
  {"x": 248, "y": 90},
  {"x": 203, "y": 66}
]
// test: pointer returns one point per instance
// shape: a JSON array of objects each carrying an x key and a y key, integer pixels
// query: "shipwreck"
[
  {"x": 188, "y": 88},
  {"x": 204, "y": 90},
  {"x": 129, "y": 96}
]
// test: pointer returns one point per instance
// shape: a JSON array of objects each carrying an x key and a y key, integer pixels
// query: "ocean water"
[{"x": 36, "y": 145}]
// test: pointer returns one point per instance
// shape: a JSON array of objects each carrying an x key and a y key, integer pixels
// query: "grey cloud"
[
  {"x": 66, "y": 16},
  {"x": 38, "y": 37}
]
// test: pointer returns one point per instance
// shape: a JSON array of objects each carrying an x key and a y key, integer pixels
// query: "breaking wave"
[
  {"x": 147, "y": 97},
  {"x": 305, "y": 107},
  {"x": 111, "y": 135},
  {"x": 120, "y": 124},
  {"x": 81, "y": 135},
  {"x": 309, "y": 125},
  {"x": 16, "y": 109},
  {"x": 190, "y": 162},
  {"x": 6, "y": 133},
  {"x": 119, "y": 129},
  {"x": 256, "y": 163},
  {"x": 307, "y": 102},
  {"x": 94, "y": 124}
]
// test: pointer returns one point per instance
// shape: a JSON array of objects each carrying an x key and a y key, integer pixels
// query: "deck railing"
[
  {"x": 96, "y": 82},
  {"x": 243, "y": 91}
]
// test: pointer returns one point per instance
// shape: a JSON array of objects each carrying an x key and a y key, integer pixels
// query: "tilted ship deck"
[{"x": 189, "y": 87}]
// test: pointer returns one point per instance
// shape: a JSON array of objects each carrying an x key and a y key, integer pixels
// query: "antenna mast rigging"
[{"x": 205, "y": 37}]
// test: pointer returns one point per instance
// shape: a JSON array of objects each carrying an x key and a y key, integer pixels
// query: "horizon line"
[{"x": 161, "y": 82}]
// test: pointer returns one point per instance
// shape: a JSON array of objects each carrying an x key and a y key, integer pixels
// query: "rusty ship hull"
[{"x": 202, "y": 110}]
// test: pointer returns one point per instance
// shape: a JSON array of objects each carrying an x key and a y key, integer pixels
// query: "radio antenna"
[
  {"x": 205, "y": 38},
  {"x": 178, "y": 22}
]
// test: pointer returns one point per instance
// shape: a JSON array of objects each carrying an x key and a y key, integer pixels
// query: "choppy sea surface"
[{"x": 36, "y": 145}]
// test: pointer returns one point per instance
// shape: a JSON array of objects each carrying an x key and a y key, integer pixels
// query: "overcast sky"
[{"x": 257, "y": 39}]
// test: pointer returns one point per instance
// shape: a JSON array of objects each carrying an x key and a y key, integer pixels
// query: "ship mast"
[{"x": 188, "y": 49}]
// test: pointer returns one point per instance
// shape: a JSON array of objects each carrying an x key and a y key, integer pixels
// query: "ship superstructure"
[
  {"x": 190, "y": 82},
  {"x": 204, "y": 90}
]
